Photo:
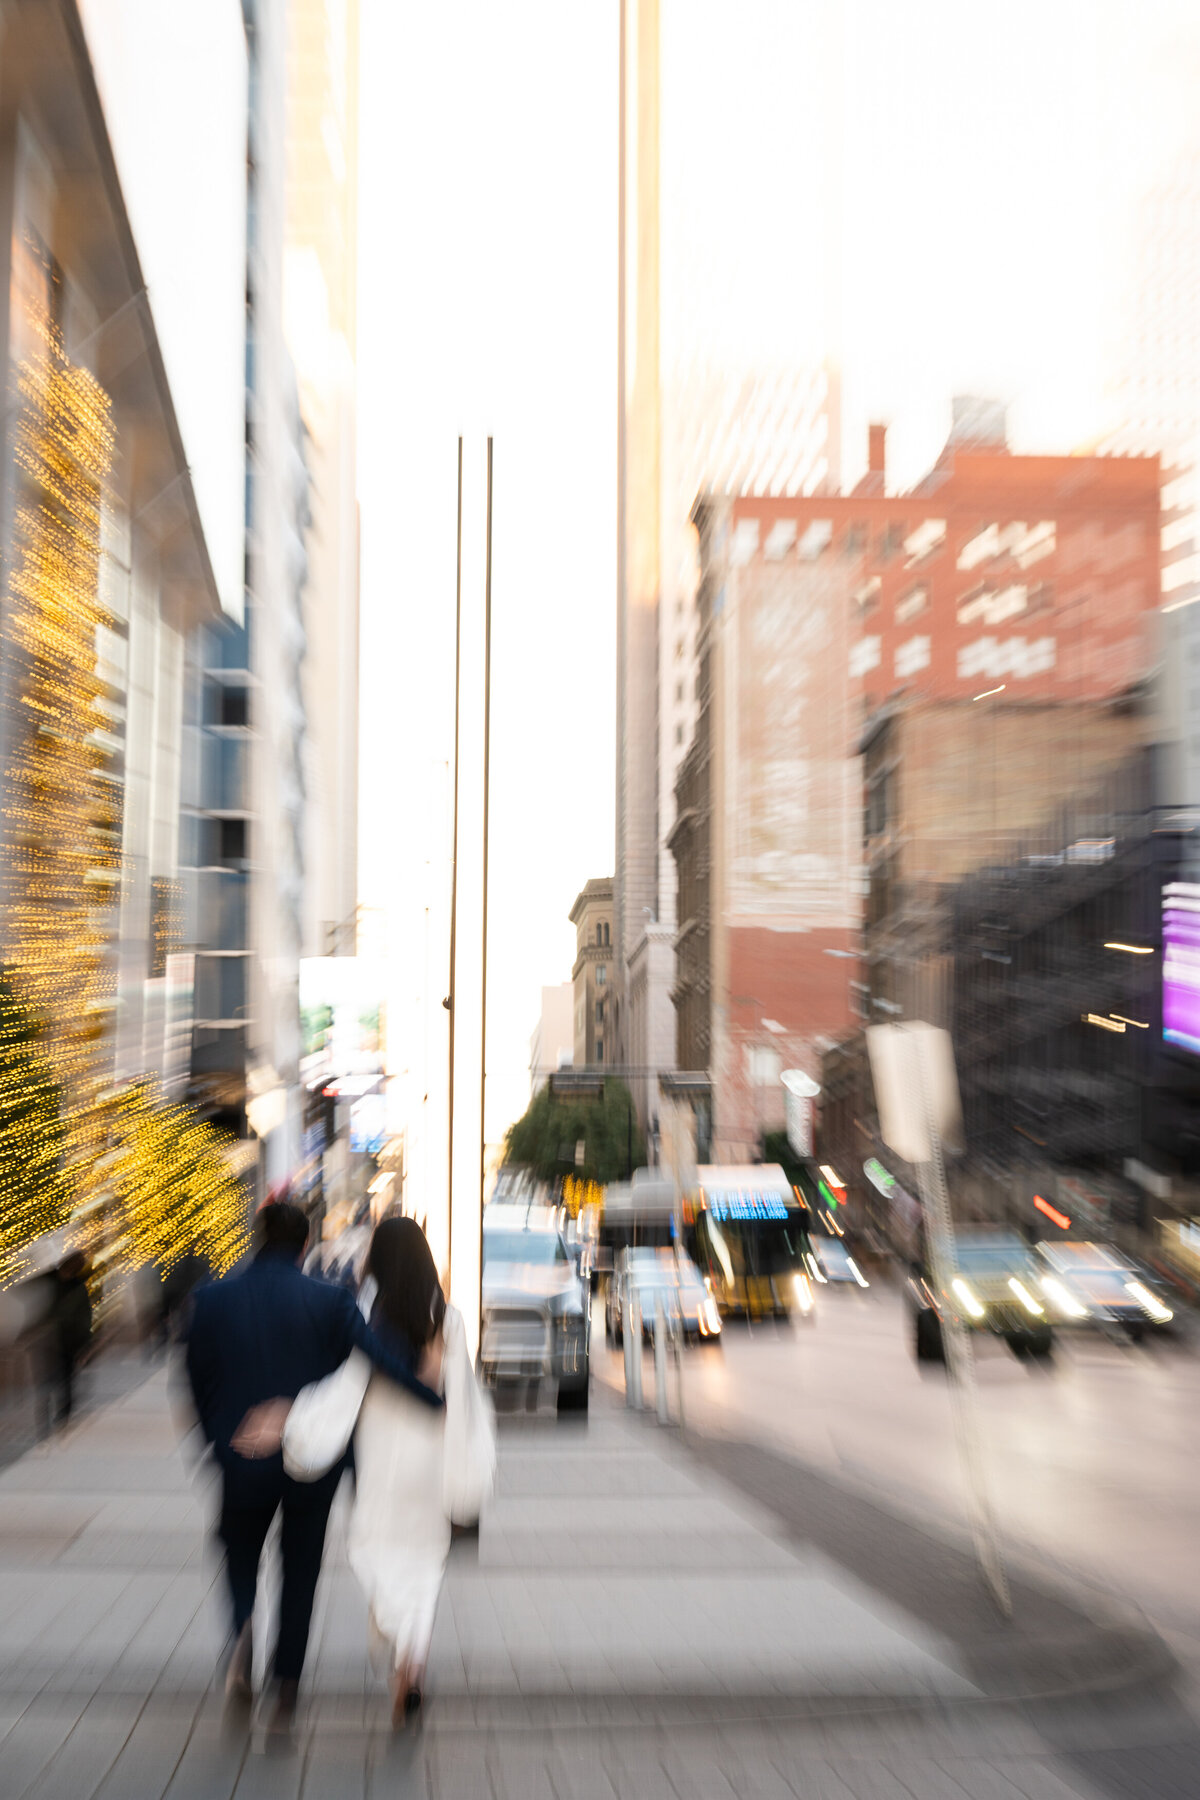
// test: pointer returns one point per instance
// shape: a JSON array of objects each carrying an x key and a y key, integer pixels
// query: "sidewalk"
[{"x": 629, "y": 1622}]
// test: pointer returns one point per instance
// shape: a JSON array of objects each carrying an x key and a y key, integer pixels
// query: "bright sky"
[{"x": 939, "y": 194}]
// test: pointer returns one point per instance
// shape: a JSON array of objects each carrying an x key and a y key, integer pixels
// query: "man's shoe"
[
  {"x": 239, "y": 1685},
  {"x": 284, "y": 1716}
]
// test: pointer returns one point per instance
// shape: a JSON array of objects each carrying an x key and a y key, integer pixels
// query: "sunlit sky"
[{"x": 940, "y": 197}]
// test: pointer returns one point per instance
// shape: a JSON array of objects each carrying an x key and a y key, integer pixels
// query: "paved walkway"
[{"x": 631, "y": 1620}]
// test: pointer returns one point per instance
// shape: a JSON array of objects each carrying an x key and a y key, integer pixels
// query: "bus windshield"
[{"x": 745, "y": 1248}]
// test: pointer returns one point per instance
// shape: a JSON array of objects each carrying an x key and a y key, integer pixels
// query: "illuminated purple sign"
[{"x": 1181, "y": 964}]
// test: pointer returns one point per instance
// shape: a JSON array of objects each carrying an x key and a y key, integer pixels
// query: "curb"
[{"x": 1074, "y": 1652}]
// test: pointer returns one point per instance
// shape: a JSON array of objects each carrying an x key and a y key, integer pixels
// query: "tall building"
[
  {"x": 117, "y": 451},
  {"x": 1037, "y": 575},
  {"x": 552, "y": 1045},
  {"x": 639, "y": 449},
  {"x": 985, "y": 630},
  {"x": 1154, "y": 408},
  {"x": 592, "y": 984},
  {"x": 320, "y": 301},
  {"x": 766, "y": 833},
  {"x": 685, "y": 424},
  {"x": 245, "y": 807}
]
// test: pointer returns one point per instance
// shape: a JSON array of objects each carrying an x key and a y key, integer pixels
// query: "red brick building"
[{"x": 1032, "y": 579}]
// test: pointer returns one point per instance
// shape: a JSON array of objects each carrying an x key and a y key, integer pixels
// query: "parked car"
[
  {"x": 1094, "y": 1286},
  {"x": 994, "y": 1287},
  {"x": 536, "y": 1312},
  {"x": 649, "y": 1274}
]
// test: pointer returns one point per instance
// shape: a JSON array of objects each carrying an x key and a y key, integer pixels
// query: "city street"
[
  {"x": 627, "y": 1624},
  {"x": 1092, "y": 1458}
]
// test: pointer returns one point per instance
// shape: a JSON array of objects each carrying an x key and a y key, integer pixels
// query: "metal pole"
[
  {"x": 626, "y": 1347},
  {"x": 960, "y": 1355},
  {"x": 487, "y": 776},
  {"x": 633, "y": 1332},
  {"x": 661, "y": 1405},
  {"x": 454, "y": 878}
]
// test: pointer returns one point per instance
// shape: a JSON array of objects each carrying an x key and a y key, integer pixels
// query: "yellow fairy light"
[
  {"x": 172, "y": 1192},
  {"x": 33, "y": 1193},
  {"x": 141, "y": 1181},
  {"x": 61, "y": 805}
]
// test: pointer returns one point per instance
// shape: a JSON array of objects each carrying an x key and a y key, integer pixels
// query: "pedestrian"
[
  {"x": 68, "y": 1333},
  {"x": 256, "y": 1339},
  {"x": 176, "y": 1289},
  {"x": 416, "y": 1472}
]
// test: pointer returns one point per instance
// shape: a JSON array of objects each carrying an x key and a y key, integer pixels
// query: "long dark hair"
[{"x": 410, "y": 1303}]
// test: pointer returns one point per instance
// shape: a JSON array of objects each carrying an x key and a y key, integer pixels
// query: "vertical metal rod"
[
  {"x": 454, "y": 879},
  {"x": 662, "y": 1406},
  {"x": 956, "y": 1340},
  {"x": 487, "y": 781},
  {"x": 633, "y": 1330}
]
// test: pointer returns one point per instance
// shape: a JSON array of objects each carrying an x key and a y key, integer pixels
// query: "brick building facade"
[{"x": 988, "y": 627}]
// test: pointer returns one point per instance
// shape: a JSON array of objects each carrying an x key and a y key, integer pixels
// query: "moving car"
[
  {"x": 649, "y": 1273},
  {"x": 832, "y": 1262},
  {"x": 996, "y": 1287},
  {"x": 1094, "y": 1285},
  {"x": 536, "y": 1312}
]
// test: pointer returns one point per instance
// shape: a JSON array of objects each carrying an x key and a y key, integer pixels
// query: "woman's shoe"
[
  {"x": 407, "y": 1694},
  {"x": 239, "y": 1691}
]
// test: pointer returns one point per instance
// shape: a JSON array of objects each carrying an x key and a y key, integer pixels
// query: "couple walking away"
[{"x": 288, "y": 1374}]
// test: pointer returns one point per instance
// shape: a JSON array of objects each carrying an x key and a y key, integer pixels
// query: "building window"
[
  {"x": 606, "y": 934},
  {"x": 599, "y": 1012},
  {"x": 599, "y": 1050},
  {"x": 601, "y": 974},
  {"x": 599, "y": 934}
]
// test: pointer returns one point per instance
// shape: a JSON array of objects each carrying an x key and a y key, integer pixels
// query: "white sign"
[
  {"x": 800, "y": 1091},
  {"x": 912, "y": 1066}
]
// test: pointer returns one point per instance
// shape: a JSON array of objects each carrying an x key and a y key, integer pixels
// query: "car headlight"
[
  {"x": 1026, "y": 1298},
  {"x": 803, "y": 1292},
  {"x": 966, "y": 1298},
  {"x": 857, "y": 1272},
  {"x": 710, "y": 1317},
  {"x": 1062, "y": 1297},
  {"x": 1149, "y": 1303}
]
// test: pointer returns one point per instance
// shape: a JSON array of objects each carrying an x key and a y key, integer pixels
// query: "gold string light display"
[
  {"x": 63, "y": 826},
  {"x": 172, "y": 1190},
  {"x": 33, "y": 1192}
]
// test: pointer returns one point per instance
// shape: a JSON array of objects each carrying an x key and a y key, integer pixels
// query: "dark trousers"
[
  {"x": 60, "y": 1364},
  {"x": 246, "y": 1514}
]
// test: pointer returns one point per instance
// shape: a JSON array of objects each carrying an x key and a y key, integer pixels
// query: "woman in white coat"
[{"x": 416, "y": 1470}]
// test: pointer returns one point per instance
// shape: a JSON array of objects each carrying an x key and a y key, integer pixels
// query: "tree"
[
  {"x": 544, "y": 1138},
  {"x": 172, "y": 1192},
  {"x": 34, "y": 1194}
]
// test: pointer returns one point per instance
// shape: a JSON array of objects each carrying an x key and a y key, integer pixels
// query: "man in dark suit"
[{"x": 257, "y": 1338}]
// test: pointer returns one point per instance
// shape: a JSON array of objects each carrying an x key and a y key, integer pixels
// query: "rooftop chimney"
[
  {"x": 873, "y": 481},
  {"x": 877, "y": 449}
]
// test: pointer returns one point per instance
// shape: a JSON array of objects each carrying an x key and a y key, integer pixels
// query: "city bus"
[{"x": 747, "y": 1228}]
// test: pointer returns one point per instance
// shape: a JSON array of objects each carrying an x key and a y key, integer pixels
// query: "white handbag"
[
  {"x": 469, "y": 1463},
  {"x": 322, "y": 1420}
]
